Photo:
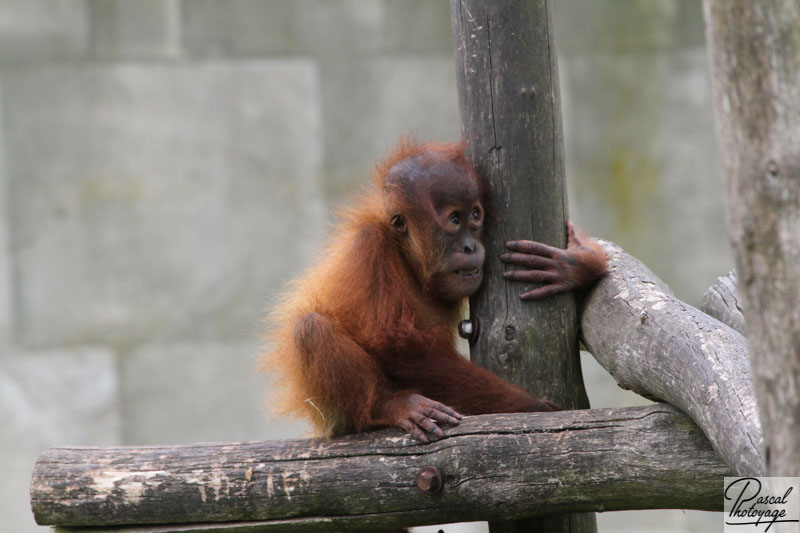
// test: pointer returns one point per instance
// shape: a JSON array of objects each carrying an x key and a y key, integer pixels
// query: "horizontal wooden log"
[
  {"x": 660, "y": 347},
  {"x": 493, "y": 466},
  {"x": 721, "y": 301}
]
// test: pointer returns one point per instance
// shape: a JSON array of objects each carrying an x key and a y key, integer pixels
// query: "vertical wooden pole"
[
  {"x": 754, "y": 51},
  {"x": 511, "y": 117}
]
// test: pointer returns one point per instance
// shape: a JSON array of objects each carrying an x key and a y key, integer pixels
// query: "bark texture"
[
  {"x": 507, "y": 79},
  {"x": 754, "y": 52},
  {"x": 664, "y": 349},
  {"x": 509, "y": 466},
  {"x": 721, "y": 301},
  {"x": 511, "y": 118}
]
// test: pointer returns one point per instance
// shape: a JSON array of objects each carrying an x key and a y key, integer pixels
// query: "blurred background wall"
[{"x": 166, "y": 165}]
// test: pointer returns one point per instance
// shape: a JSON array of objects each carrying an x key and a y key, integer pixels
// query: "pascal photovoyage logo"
[{"x": 764, "y": 504}]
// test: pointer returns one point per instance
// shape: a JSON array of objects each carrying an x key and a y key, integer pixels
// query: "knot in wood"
[
  {"x": 772, "y": 168},
  {"x": 429, "y": 480}
]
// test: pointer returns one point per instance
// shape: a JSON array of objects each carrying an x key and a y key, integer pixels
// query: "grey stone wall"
[
  {"x": 166, "y": 165},
  {"x": 641, "y": 154}
]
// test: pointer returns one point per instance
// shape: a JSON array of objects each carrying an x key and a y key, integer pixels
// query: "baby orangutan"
[{"x": 366, "y": 337}]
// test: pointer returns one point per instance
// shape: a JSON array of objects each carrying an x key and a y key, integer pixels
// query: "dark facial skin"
[
  {"x": 459, "y": 214},
  {"x": 451, "y": 196}
]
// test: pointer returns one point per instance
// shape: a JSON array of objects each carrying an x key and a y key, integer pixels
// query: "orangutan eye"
[
  {"x": 455, "y": 219},
  {"x": 476, "y": 214},
  {"x": 399, "y": 224}
]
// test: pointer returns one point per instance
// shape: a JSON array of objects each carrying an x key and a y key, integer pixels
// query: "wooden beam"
[
  {"x": 493, "y": 466},
  {"x": 507, "y": 78},
  {"x": 660, "y": 347}
]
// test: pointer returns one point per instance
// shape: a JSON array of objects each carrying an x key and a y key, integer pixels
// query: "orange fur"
[
  {"x": 341, "y": 285},
  {"x": 362, "y": 330},
  {"x": 592, "y": 258}
]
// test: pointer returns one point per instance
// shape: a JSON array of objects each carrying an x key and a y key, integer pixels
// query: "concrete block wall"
[
  {"x": 641, "y": 153},
  {"x": 166, "y": 165}
]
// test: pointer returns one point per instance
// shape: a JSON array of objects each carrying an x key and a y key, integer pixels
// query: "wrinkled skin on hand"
[
  {"x": 577, "y": 267},
  {"x": 420, "y": 416}
]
